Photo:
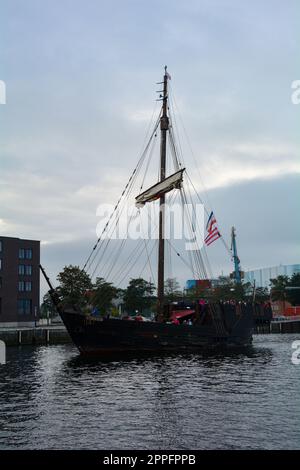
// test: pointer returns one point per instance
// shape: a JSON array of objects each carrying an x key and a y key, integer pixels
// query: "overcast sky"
[{"x": 81, "y": 80}]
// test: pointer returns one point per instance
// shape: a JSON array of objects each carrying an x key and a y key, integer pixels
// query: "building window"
[
  {"x": 0, "y": 245},
  {"x": 21, "y": 286},
  {"x": 21, "y": 253},
  {"x": 28, "y": 270},
  {"x": 28, "y": 254},
  {"x": 28, "y": 286},
  {"x": 24, "y": 306},
  {"x": 25, "y": 269},
  {"x": 0, "y": 264},
  {"x": 21, "y": 270}
]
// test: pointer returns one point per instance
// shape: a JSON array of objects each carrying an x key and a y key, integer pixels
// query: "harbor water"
[{"x": 51, "y": 398}]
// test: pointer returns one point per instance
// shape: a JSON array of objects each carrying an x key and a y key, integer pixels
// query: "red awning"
[{"x": 181, "y": 314}]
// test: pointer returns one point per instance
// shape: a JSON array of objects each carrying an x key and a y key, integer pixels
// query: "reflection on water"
[{"x": 51, "y": 398}]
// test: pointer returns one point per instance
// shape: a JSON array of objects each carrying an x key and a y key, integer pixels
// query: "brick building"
[{"x": 19, "y": 281}]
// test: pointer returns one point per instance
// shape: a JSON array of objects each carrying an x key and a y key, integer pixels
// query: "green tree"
[
  {"x": 47, "y": 309},
  {"x": 228, "y": 290},
  {"x": 192, "y": 294},
  {"x": 73, "y": 285},
  {"x": 138, "y": 295},
  {"x": 103, "y": 295},
  {"x": 278, "y": 286},
  {"x": 172, "y": 290},
  {"x": 262, "y": 294},
  {"x": 293, "y": 295}
]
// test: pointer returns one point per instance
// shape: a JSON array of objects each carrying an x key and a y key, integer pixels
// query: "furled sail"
[{"x": 157, "y": 190}]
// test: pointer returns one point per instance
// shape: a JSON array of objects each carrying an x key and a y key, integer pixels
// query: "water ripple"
[{"x": 50, "y": 398}]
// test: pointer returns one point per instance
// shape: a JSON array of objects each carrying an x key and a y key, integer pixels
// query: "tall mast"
[
  {"x": 164, "y": 126},
  {"x": 236, "y": 260}
]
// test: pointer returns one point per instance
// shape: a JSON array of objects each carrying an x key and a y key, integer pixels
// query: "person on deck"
[{"x": 95, "y": 312}]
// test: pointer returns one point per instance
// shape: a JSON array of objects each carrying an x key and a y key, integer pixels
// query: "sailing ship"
[{"x": 211, "y": 324}]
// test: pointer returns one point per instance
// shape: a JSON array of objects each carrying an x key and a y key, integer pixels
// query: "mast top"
[{"x": 167, "y": 75}]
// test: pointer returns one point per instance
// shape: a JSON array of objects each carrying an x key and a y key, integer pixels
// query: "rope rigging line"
[
  {"x": 174, "y": 150},
  {"x": 197, "y": 256},
  {"x": 206, "y": 263},
  {"x": 135, "y": 251},
  {"x": 180, "y": 256},
  {"x": 121, "y": 269},
  {"x": 215, "y": 314},
  {"x": 128, "y": 186},
  {"x": 127, "y": 195},
  {"x": 115, "y": 258},
  {"x": 190, "y": 147},
  {"x": 146, "y": 248},
  {"x": 172, "y": 139},
  {"x": 135, "y": 254},
  {"x": 171, "y": 246},
  {"x": 192, "y": 260},
  {"x": 207, "y": 212},
  {"x": 199, "y": 260},
  {"x": 169, "y": 260},
  {"x": 108, "y": 238},
  {"x": 118, "y": 252},
  {"x": 149, "y": 160},
  {"x": 112, "y": 264},
  {"x": 198, "y": 263},
  {"x": 196, "y": 192},
  {"x": 90, "y": 261},
  {"x": 175, "y": 126},
  {"x": 134, "y": 262},
  {"x": 152, "y": 249},
  {"x": 174, "y": 105},
  {"x": 150, "y": 124}
]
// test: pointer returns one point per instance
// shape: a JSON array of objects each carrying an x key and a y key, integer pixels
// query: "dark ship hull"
[{"x": 95, "y": 336}]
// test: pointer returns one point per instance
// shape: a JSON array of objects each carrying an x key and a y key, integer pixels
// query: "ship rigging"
[
  {"x": 213, "y": 324},
  {"x": 179, "y": 184}
]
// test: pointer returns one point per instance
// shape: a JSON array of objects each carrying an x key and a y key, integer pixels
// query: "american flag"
[{"x": 212, "y": 230}]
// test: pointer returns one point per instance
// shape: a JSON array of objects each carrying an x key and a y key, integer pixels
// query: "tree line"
[{"x": 76, "y": 287}]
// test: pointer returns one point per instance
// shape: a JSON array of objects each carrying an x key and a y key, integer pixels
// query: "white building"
[{"x": 262, "y": 276}]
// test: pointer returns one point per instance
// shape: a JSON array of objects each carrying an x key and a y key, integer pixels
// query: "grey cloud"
[{"x": 81, "y": 88}]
